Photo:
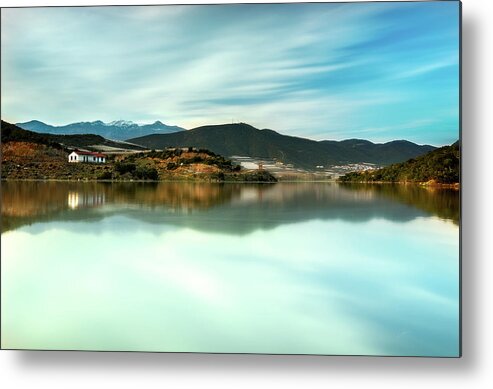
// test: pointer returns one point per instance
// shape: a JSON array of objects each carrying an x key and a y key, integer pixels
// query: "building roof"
[{"x": 89, "y": 153}]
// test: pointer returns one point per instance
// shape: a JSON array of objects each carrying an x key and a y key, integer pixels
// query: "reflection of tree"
[
  {"x": 25, "y": 202},
  {"x": 176, "y": 195},
  {"x": 30, "y": 198}
]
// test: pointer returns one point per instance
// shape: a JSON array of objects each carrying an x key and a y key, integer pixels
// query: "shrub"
[
  {"x": 125, "y": 167},
  {"x": 146, "y": 173},
  {"x": 105, "y": 176}
]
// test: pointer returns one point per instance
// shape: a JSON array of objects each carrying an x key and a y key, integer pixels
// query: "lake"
[{"x": 297, "y": 268}]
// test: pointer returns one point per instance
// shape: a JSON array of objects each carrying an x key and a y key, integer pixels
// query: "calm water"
[{"x": 280, "y": 268}]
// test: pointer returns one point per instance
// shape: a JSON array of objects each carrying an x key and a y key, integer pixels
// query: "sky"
[{"x": 376, "y": 71}]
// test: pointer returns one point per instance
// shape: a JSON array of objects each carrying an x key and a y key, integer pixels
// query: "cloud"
[
  {"x": 302, "y": 69},
  {"x": 361, "y": 295},
  {"x": 429, "y": 67}
]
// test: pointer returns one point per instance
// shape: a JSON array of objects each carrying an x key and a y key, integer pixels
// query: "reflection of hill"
[
  {"x": 26, "y": 202},
  {"x": 290, "y": 203},
  {"x": 33, "y": 201},
  {"x": 175, "y": 195},
  {"x": 227, "y": 208},
  {"x": 440, "y": 202}
]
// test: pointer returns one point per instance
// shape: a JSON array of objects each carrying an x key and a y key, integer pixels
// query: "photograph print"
[{"x": 233, "y": 178}]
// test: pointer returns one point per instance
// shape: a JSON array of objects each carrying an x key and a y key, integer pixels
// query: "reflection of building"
[
  {"x": 85, "y": 199},
  {"x": 86, "y": 156}
]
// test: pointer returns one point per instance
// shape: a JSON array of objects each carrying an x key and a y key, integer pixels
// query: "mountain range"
[
  {"x": 241, "y": 139},
  {"x": 11, "y": 132},
  {"x": 116, "y": 130}
]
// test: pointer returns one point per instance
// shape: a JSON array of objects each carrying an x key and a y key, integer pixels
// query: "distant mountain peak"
[
  {"x": 35, "y": 121},
  {"x": 116, "y": 130},
  {"x": 34, "y": 124},
  {"x": 400, "y": 141}
]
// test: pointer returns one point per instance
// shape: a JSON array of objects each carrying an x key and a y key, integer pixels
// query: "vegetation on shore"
[
  {"x": 439, "y": 167},
  {"x": 182, "y": 164}
]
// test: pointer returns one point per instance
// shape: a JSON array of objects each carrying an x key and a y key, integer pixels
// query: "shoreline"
[
  {"x": 135, "y": 181},
  {"x": 425, "y": 184},
  {"x": 428, "y": 185}
]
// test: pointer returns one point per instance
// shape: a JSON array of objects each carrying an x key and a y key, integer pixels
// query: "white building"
[{"x": 86, "y": 156}]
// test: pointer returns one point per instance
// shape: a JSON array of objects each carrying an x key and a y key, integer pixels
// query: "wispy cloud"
[
  {"x": 422, "y": 69},
  {"x": 320, "y": 70}
]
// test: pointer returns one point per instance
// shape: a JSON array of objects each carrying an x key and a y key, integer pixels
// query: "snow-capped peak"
[{"x": 121, "y": 123}]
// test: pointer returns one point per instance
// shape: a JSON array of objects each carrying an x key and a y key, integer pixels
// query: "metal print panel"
[{"x": 241, "y": 178}]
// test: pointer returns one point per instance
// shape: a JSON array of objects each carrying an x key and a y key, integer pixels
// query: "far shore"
[
  {"x": 430, "y": 185},
  {"x": 198, "y": 181}
]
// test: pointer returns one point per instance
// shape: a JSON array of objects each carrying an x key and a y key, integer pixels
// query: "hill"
[
  {"x": 440, "y": 166},
  {"x": 116, "y": 130},
  {"x": 11, "y": 132},
  {"x": 183, "y": 164},
  {"x": 245, "y": 140},
  {"x": 29, "y": 155}
]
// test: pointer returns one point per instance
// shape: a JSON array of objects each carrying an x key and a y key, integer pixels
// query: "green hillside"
[
  {"x": 12, "y": 133},
  {"x": 245, "y": 140},
  {"x": 441, "y": 165}
]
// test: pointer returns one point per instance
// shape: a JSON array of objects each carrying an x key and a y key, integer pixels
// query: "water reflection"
[
  {"x": 218, "y": 207},
  {"x": 444, "y": 203},
  {"x": 283, "y": 268},
  {"x": 85, "y": 200}
]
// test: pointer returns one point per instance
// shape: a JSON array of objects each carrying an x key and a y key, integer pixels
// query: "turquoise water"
[{"x": 279, "y": 268}]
